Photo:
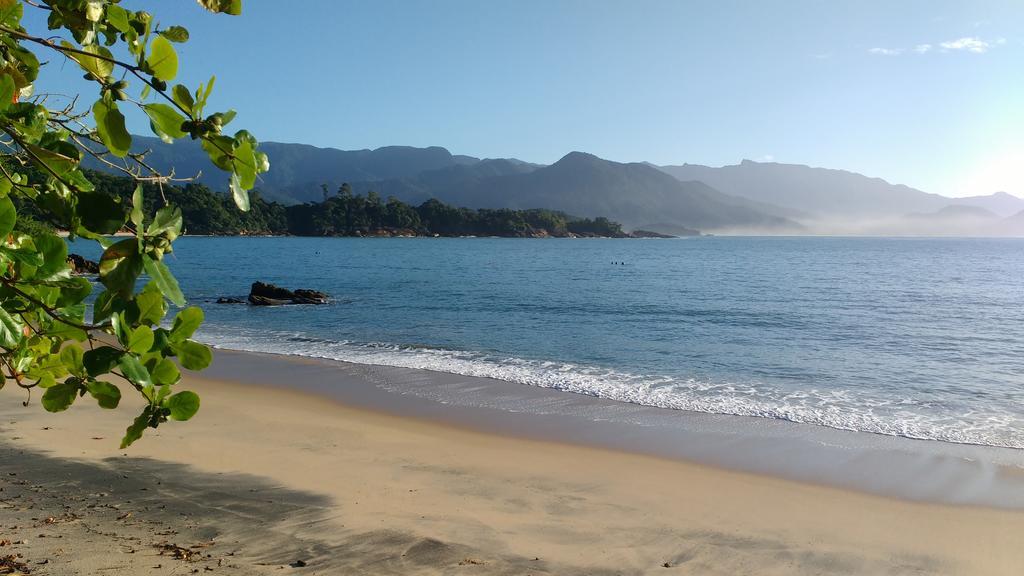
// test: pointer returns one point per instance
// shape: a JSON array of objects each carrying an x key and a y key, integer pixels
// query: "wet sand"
[{"x": 265, "y": 477}]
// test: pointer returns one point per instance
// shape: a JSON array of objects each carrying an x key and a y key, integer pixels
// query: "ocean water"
[{"x": 920, "y": 338}]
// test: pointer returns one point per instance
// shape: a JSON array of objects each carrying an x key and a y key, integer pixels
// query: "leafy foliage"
[{"x": 46, "y": 341}]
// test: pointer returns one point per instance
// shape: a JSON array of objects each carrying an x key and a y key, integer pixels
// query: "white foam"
[{"x": 837, "y": 408}]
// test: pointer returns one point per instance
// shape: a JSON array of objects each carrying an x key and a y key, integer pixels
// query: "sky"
[{"x": 926, "y": 93}]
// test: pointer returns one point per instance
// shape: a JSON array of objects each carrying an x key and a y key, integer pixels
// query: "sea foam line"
[{"x": 839, "y": 409}]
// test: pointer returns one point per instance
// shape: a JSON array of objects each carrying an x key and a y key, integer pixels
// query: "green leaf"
[
  {"x": 100, "y": 213},
  {"x": 141, "y": 340},
  {"x": 207, "y": 90},
  {"x": 120, "y": 266},
  {"x": 166, "y": 222},
  {"x": 54, "y": 254},
  {"x": 118, "y": 18},
  {"x": 110, "y": 127},
  {"x": 150, "y": 303},
  {"x": 262, "y": 161},
  {"x": 164, "y": 280},
  {"x": 233, "y": 7},
  {"x": 182, "y": 97},
  {"x": 134, "y": 371},
  {"x": 175, "y": 34},
  {"x": 25, "y": 256},
  {"x": 239, "y": 194},
  {"x": 73, "y": 360},
  {"x": 101, "y": 360},
  {"x": 7, "y": 90},
  {"x": 10, "y": 15},
  {"x": 99, "y": 67},
  {"x": 245, "y": 165},
  {"x": 106, "y": 394},
  {"x": 10, "y": 330},
  {"x": 49, "y": 160},
  {"x": 192, "y": 355},
  {"x": 217, "y": 148},
  {"x": 8, "y": 216},
  {"x": 73, "y": 291},
  {"x": 60, "y": 396},
  {"x": 134, "y": 432},
  {"x": 93, "y": 10},
  {"x": 136, "y": 215},
  {"x": 47, "y": 380},
  {"x": 185, "y": 323},
  {"x": 120, "y": 328},
  {"x": 162, "y": 59},
  {"x": 106, "y": 304},
  {"x": 165, "y": 372},
  {"x": 165, "y": 122},
  {"x": 182, "y": 405}
]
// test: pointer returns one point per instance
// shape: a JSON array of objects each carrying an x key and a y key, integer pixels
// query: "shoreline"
[
  {"x": 890, "y": 466},
  {"x": 272, "y": 471}
]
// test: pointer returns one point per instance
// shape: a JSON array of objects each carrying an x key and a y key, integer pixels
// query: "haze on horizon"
[{"x": 921, "y": 93}]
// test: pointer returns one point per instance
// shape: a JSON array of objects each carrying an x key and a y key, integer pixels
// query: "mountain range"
[{"x": 746, "y": 198}]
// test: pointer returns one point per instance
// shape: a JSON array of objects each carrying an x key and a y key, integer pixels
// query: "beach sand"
[{"x": 264, "y": 480}]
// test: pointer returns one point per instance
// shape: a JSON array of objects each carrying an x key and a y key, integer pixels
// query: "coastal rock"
[
  {"x": 229, "y": 300},
  {"x": 264, "y": 294},
  {"x": 81, "y": 265},
  {"x": 303, "y": 296}
]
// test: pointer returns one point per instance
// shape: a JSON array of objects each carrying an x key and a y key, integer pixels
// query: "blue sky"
[{"x": 924, "y": 93}]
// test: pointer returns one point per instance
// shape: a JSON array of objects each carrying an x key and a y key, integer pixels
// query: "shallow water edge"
[{"x": 918, "y": 470}]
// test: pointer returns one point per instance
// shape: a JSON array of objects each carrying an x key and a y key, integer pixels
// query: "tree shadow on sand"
[{"x": 226, "y": 519}]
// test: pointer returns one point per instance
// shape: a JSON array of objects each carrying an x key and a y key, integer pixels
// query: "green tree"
[{"x": 46, "y": 340}]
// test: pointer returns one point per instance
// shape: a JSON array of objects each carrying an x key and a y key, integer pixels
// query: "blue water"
[{"x": 922, "y": 338}]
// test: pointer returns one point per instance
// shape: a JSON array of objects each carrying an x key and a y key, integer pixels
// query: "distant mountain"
[
  {"x": 816, "y": 192},
  {"x": 1000, "y": 203},
  {"x": 750, "y": 197},
  {"x": 839, "y": 201},
  {"x": 637, "y": 195},
  {"x": 298, "y": 170},
  {"x": 958, "y": 211},
  {"x": 443, "y": 181}
]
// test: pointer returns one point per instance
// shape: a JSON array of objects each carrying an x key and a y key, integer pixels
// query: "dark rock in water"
[
  {"x": 228, "y": 300},
  {"x": 264, "y": 301},
  {"x": 304, "y": 296},
  {"x": 80, "y": 265},
  {"x": 270, "y": 291},
  {"x": 262, "y": 294}
]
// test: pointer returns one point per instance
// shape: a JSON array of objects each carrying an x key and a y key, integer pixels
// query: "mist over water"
[{"x": 921, "y": 338}]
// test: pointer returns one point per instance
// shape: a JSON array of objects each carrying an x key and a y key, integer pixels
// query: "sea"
[{"x": 910, "y": 337}]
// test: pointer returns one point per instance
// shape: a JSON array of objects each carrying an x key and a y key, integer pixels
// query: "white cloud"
[
  {"x": 886, "y": 51},
  {"x": 766, "y": 158},
  {"x": 967, "y": 43},
  {"x": 923, "y": 48}
]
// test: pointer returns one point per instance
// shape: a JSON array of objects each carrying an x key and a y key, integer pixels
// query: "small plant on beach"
[{"x": 46, "y": 340}]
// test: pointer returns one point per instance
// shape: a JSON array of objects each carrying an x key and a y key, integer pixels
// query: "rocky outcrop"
[
  {"x": 229, "y": 300},
  {"x": 80, "y": 265},
  {"x": 264, "y": 294}
]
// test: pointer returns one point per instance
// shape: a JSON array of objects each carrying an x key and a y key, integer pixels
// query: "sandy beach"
[{"x": 271, "y": 480}]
